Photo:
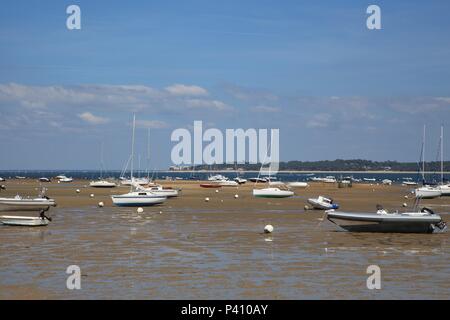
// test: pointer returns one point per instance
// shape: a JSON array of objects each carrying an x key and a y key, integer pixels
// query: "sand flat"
[{"x": 216, "y": 250}]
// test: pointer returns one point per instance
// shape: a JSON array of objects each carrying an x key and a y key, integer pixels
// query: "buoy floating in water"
[
  {"x": 306, "y": 207},
  {"x": 92, "y": 195},
  {"x": 101, "y": 204},
  {"x": 406, "y": 197},
  {"x": 217, "y": 191},
  {"x": 268, "y": 228},
  {"x": 405, "y": 204},
  {"x": 160, "y": 212},
  {"x": 206, "y": 199},
  {"x": 77, "y": 191},
  {"x": 140, "y": 210},
  {"x": 236, "y": 196}
]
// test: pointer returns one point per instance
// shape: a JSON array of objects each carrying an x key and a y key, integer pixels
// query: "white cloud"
[
  {"x": 90, "y": 118},
  {"x": 207, "y": 104},
  {"x": 321, "y": 120},
  {"x": 443, "y": 99},
  {"x": 184, "y": 90}
]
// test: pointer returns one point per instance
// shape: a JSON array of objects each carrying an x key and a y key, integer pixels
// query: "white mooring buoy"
[
  {"x": 77, "y": 191},
  {"x": 236, "y": 196},
  {"x": 405, "y": 204},
  {"x": 101, "y": 204},
  {"x": 140, "y": 210},
  {"x": 268, "y": 228},
  {"x": 206, "y": 199},
  {"x": 92, "y": 195}
]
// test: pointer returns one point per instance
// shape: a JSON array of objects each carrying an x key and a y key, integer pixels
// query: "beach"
[{"x": 189, "y": 248}]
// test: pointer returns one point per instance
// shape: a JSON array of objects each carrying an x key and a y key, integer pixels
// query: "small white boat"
[
  {"x": 276, "y": 183},
  {"x": 140, "y": 181},
  {"x": 137, "y": 199},
  {"x": 329, "y": 179},
  {"x": 409, "y": 183},
  {"x": 2, "y": 179},
  {"x": 43, "y": 179},
  {"x": 316, "y": 179},
  {"x": 445, "y": 189},
  {"x": 226, "y": 183},
  {"x": 272, "y": 193},
  {"x": 26, "y": 204},
  {"x": 369, "y": 179},
  {"x": 23, "y": 221},
  {"x": 323, "y": 203},
  {"x": 298, "y": 184},
  {"x": 66, "y": 180},
  {"x": 386, "y": 182},
  {"x": 159, "y": 190},
  {"x": 427, "y": 192},
  {"x": 240, "y": 180},
  {"x": 217, "y": 177},
  {"x": 20, "y": 177},
  {"x": 102, "y": 184}
]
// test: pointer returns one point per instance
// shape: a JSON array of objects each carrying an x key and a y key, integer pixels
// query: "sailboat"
[
  {"x": 444, "y": 187},
  {"x": 426, "y": 191},
  {"x": 102, "y": 183},
  {"x": 271, "y": 192},
  {"x": 136, "y": 198}
]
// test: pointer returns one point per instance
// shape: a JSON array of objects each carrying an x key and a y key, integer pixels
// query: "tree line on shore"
[{"x": 336, "y": 165}]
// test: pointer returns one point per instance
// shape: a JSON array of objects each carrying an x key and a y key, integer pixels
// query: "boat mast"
[
  {"x": 442, "y": 154},
  {"x": 132, "y": 150},
  {"x": 101, "y": 161},
  {"x": 148, "y": 153},
  {"x": 423, "y": 154}
]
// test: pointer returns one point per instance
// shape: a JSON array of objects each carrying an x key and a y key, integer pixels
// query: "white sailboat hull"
[
  {"x": 272, "y": 193},
  {"x": 298, "y": 184},
  {"x": 102, "y": 184},
  {"x": 445, "y": 190},
  {"x": 427, "y": 192},
  {"x": 137, "y": 199}
]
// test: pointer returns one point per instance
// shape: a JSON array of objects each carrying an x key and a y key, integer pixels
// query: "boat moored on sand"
[
  {"x": 322, "y": 203},
  {"x": 428, "y": 192},
  {"x": 424, "y": 221},
  {"x": 272, "y": 193},
  {"x": 19, "y": 203}
]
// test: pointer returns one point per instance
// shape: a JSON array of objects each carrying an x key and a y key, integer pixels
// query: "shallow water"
[{"x": 222, "y": 254}]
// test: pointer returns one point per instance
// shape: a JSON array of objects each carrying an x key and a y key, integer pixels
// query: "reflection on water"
[{"x": 204, "y": 254}]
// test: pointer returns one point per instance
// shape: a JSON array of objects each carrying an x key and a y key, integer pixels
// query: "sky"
[{"x": 312, "y": 69}]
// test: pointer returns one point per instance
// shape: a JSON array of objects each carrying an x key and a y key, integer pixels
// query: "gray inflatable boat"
[{"x": 425, "y": 221}]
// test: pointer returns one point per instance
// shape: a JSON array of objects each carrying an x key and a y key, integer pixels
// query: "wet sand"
[{"x": 191, "y": 249}]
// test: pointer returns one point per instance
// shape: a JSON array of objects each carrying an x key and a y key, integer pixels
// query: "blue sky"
[{"x": 310, "y": 68}]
